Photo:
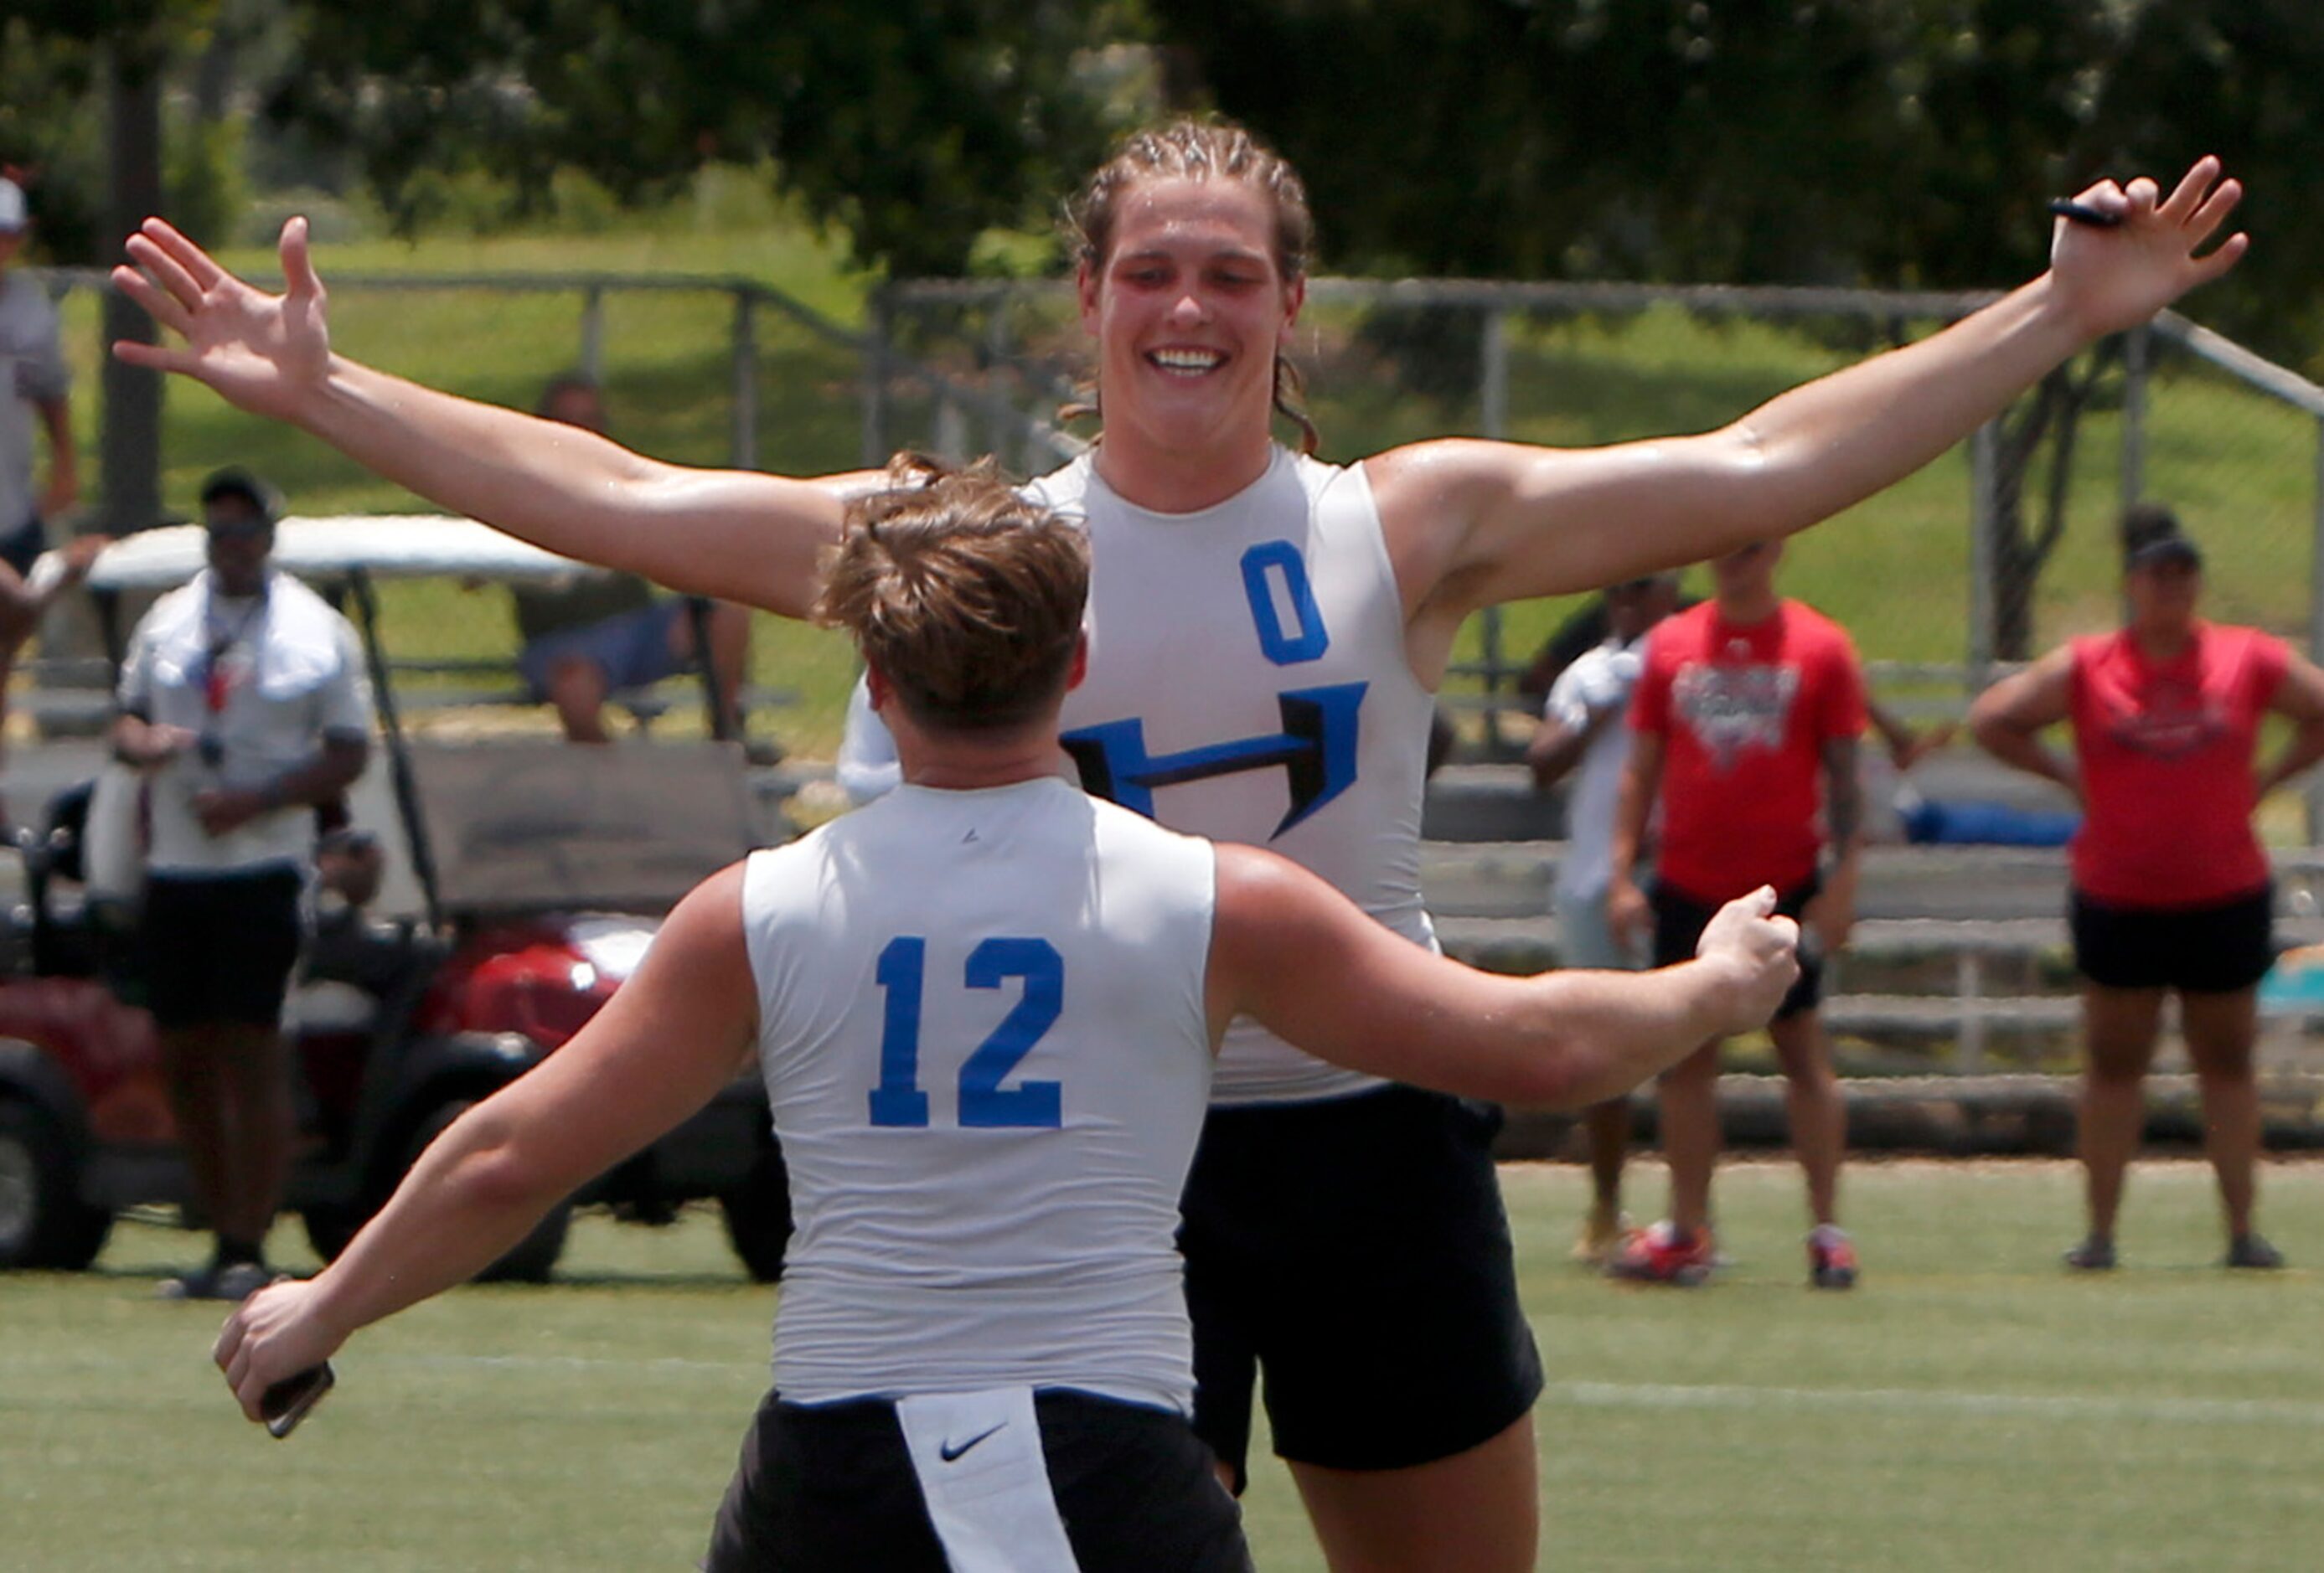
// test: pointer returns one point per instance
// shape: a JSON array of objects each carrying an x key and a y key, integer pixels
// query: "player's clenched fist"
[{"x": 1761, "y": 950}]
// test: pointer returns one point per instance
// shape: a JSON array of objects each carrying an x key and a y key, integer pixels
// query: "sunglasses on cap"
[{"x": 236, "y": 527}]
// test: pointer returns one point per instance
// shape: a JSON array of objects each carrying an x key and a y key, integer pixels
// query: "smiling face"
[{"x": 1189, "y": 306}]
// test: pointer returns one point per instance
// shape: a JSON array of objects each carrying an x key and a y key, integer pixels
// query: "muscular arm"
[
  {"x": 1906, "y": 748},
  {"x": 2009, "y": 718},
  {"x": 736, "y": 535},
  {"x": 1292, "y": 951},
  {"x": 1474, "y": 524},
  {"x": 660, "y": 1048},
  {"x": 2301, "y": 698}
]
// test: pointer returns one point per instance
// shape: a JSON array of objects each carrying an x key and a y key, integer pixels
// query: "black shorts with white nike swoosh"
[{"x": 829, "y": 1488}]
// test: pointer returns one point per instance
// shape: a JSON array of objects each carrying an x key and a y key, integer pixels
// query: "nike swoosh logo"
[{"x": 951, "y": 1454}]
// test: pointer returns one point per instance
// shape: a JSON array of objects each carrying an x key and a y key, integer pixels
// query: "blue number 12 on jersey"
[{"x": 899, "y": 1100}]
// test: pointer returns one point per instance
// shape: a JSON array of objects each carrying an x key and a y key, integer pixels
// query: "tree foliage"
[
  {"x": 1906, "y": 143},
  {"x": 1897, "y": 143},
  {"x": 914, "y": 127}
]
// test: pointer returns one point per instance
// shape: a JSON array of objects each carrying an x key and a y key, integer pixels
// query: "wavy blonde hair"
[{"x": 966, "y": 596}]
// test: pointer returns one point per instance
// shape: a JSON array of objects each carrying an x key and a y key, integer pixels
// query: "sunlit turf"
[{"x": 1971, "y": 1406}]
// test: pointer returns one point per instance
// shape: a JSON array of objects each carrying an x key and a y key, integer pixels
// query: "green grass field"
[{"x": 1970, "y": 1407}]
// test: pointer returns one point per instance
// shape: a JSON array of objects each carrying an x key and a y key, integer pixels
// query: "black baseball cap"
[
  {"x": 2163, "y": 549},
  {"x": 235, "y": 482}
]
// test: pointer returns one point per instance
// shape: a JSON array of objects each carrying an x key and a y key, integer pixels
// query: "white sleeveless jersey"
[
  {"x": 984, "y": 1038},
  {"x": 1247, "y": 682}
]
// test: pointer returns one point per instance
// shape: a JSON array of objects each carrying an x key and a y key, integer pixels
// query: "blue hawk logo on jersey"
[
  {"x": 1320, "y": 726},
  {"x": 1316, "y": 749}
]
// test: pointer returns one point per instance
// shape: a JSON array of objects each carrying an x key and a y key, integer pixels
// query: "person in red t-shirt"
[
  {"x": 2171, "y": 888},
  {"x": 1745, "y": 718}
]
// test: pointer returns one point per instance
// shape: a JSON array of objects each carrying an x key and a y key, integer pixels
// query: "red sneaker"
[
  {"x": 1660, "y": 1255},
  {"x": 1832, "y": 1259}
]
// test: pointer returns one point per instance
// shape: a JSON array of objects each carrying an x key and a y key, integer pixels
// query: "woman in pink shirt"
[{"x": 2171, "y": 888}]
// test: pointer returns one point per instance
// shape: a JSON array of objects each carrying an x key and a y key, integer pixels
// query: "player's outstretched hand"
[
  {"x": 272, "y": 1334},
  {"x": 2116, "y": 277},
  {"x": 1762, "y": 951},
  {"x": 264, "y": 352}
]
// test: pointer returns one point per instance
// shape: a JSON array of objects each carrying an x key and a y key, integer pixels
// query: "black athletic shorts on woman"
[
  {"x": 829, "y": 1488},
  {"x": 1382, "y": 1208},
  {"x": 2219, "y": 948},
  {"x": 220, "y": 947},
  {"x": 1680, "y": 920}
]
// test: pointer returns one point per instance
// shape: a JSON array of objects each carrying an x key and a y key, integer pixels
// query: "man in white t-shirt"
[
  {"x": 1582, "y": 726},
  {"x": 245, "y": 702}
]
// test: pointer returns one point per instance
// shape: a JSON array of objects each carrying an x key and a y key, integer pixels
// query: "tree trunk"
[
  {"x": 2049, "y": 417},
  {"x": 129, "y": 417},
  {"x": 129, "y": 442}
]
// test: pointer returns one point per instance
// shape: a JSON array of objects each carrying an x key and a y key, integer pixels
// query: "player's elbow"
[
  {"x": 1569, "y": 1075},
  {"x": 1991, "y": 727},
  {"x": 495, "y": 1168}
]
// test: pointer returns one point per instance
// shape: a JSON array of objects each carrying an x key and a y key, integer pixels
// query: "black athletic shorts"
[
  {"x": 1680, "y": 920},
  {"x": 2219, "y": 948},
  {"x": 220, "y": 947},
  {"x": 829, "y": 1488},
  {"x": 1354, "y": 1253},
  {"x": 23, "y": 543}
]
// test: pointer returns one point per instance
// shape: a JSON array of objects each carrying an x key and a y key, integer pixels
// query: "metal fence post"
[
  {"x": 746, "y": 441},
  {"x": 997, "y": 426},
  {"x": 1493, "y": 413},
  {"x": 1984, "y": 473},
  {"x": 2316, "y": 625},
  {"x": 592, "y": 333},
  {"x": 875, "y": 381},
  {"x": 2135, "y": 347}
]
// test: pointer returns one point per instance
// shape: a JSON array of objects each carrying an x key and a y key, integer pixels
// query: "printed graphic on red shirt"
[
  {"x": 1735, "y": 710},
  {"x": 1745, "y": 711},
  {"x": 2165, "y": 749},
  {"x": 2173, "y": 717}
]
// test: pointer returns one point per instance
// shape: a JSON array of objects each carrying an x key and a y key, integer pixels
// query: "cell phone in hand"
[{"x": 286, "y": 1403}]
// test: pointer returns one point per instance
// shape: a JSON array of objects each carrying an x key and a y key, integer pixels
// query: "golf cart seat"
[{"x": 74, "y": 935}]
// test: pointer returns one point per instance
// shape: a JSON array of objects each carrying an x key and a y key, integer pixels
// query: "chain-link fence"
[
  {"x": 1995, "y": 551},
  {"x": 696, "y": 370}
]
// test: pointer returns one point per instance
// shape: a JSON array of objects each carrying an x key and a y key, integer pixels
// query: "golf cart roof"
[
  {"x": 494, "y": 826},
  {"x": 384, "y": 546}
]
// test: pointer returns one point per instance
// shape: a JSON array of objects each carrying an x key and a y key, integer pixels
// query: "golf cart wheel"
[
  {"x": 758, "y": 1213},
  {"x": 531, "y": 1259},
  {"x": 43, "y": 1223}
]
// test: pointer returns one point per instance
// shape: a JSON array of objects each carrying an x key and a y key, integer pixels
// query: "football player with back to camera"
[
  {"x": 1266, "y": 633},
  {"x": 986, "y": 1009}
]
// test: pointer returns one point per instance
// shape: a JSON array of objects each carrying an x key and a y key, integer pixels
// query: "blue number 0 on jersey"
[
  {"x": 1322, "y": 724},
  {"x": 899, "y": 1100}
]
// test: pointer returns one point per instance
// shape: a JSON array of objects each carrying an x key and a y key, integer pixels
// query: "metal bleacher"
[
  {"x": 1958, "y": 962},
  {"x": 1952, "y": 1011}
]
